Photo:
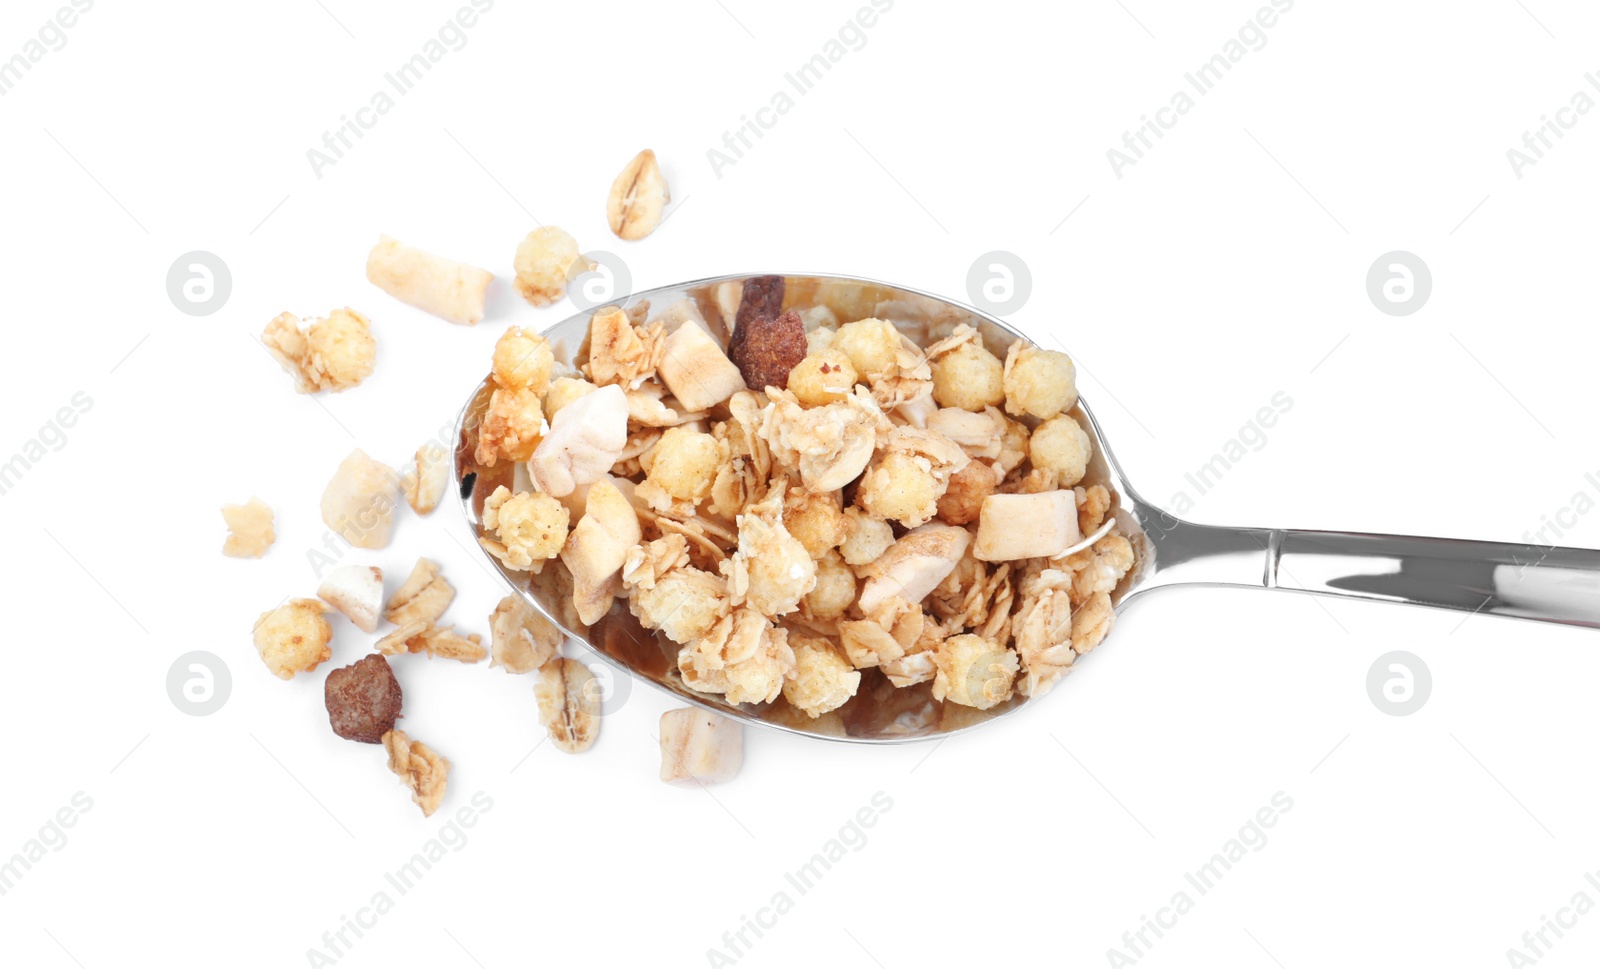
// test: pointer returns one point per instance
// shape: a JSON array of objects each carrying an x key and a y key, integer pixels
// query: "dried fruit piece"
[
  {"x": 585, "y": 440},
  {"x": 356, "y": 591},
  {"x": 597, "y": 548},
  {"x": 423, "y": 596},
  {"x": 419, "y": 768},
  {"x": 1026, "y": 526},
  {"x": 293, "y": 638},
  {"x": 914, "y": 565},
  {"x": 766, "y": 348},
  {"x": 544, "y": 264},
  {"x": 336, "y": 353},
  {"x": 359, "y": 501},
  {"x": 250, "y": 531},
  {"x": 760, "y": 298},
  {"x": 699, "y": 747},
  {"x": 447, "y": 289},
  {"x": 696, "y": 370},
  {"x": 521, "y": 639},
  {"x": 638, "y": 196},
  {"x": 363, "y": 699},
  {"x": 569, "y": 704},
  {"x": 424, "y": 482}
]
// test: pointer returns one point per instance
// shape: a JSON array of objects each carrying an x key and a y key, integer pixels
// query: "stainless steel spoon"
[{"x": 1551, "y": 584}]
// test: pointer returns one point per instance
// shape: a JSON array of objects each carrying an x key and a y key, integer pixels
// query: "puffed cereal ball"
[
  {"x": 963, "y": 499},
  {"x": 968, "y": 377},
  {"x": 1062, "y": 446},
  {"x": 900, "y": 489},
  {"x": 563, "y": 391},
  {"x": 293, "y": 638},
  {"x": 685, "y": 463},
  {"x": 523, "y": 359},
  {"x": 835, "y": 590},
  {"x": 532, "y": 527},
  {"x": 871, "y": 345},
  {"x": 822, "y": 679},
  {"x": 342, "y": 348},
  {"x": 823, "y": 377},
  {"x": 1042, "y": 383},
  {"x": 816, "y": 521},
  {"x": 865, "y": 537},
  {"x": 543, "y": 262},
  {"x": 973, "y": 671}
]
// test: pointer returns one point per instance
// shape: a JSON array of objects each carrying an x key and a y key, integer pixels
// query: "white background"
[{"x": 1225, "y": 267}]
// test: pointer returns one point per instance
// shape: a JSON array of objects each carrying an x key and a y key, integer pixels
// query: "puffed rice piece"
[
  {"x": 521, "y": 640},
  {"x": 546, "y": 259},
  {"x": 250, "y": 531},
  {"x": 974, "y": 672},
  {"x": 419, "y": 768},
  {"x": 523, "y": 360},
  {"x": 822, "y": 377},
  {"x": 336, "y": 353},
  {"x": 512, "y": 428},
  {"x": 563, "y": 391},
  {"x": 905, "y": 482},
  {"x": 872, "y": 345},
  {"x": 569, "y": 704},
  {"x": 447, "y": 289},
  {"x": 529, "y": 528},
  {"x": 1061, "y": 445},
  {"x": 665, "y": 592},
  {"x": 699, "y": 747},
  {"x": 293, "y": 638},
  {"x": 1039, "y": 383},
  {"x": 771, "y": 570},
  {"x": 683, "y": 465},
  {"x": 835, "y": 591},
  {"x": 968, "y": 377},
  {"x": 822, "y": 679},
  {"x": 865, "y": 537}
]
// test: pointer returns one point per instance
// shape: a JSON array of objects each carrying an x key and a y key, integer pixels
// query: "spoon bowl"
[{"x": 1525, "y": 581}]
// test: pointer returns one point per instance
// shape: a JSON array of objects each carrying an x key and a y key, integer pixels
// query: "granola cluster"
[{"x": 823, "y": 498}]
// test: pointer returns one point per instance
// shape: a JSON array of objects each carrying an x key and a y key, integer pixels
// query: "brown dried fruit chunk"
[
  {"x": 363, "y": 700},
  {"x": 766, "y": 349},
  {"x": 762, "y": 300}
]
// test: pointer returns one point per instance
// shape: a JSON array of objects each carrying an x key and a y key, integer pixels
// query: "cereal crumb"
[
  {"x": 418, "y": 768},
  {"x": 294, "y": 637},
  {"x": 250, "y": 531}
]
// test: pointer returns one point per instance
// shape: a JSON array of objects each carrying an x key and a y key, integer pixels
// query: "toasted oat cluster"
[{"x": 822, "y": 498}]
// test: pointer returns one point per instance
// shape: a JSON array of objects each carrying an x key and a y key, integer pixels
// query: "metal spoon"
[{"x": 1551, "y": 584}]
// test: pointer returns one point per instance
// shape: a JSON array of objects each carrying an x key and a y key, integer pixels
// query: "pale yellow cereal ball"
[
  {"x": 342, "y": 348},
  {"x": 973, "y": 671},
  {"x": 871, "y": 345},
  {"x": 900, "y": 489},
  {"x": 1042, "y": 383},
  {"x": 822, "y": 678},
  {"x": 685, "y": 463},
  {"x": 865, "y": 537},
  {"x": 968, "y": 377},
  {"x": 817, "y": 521},
  {"x": 835, "y": 590},
  {"x": 563, "y": 391},
  {"x": 293, "y": 638},
  {"x": 1060, "y": 445},
  {"x": 523, "y": 359},
  {"x": 542, "y": 264},
  {"x": 823, "y": 377},
  {"x": 513, "y": 426}
]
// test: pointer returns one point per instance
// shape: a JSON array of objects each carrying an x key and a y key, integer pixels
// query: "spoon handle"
[{"x": 1546, "y": 583}]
